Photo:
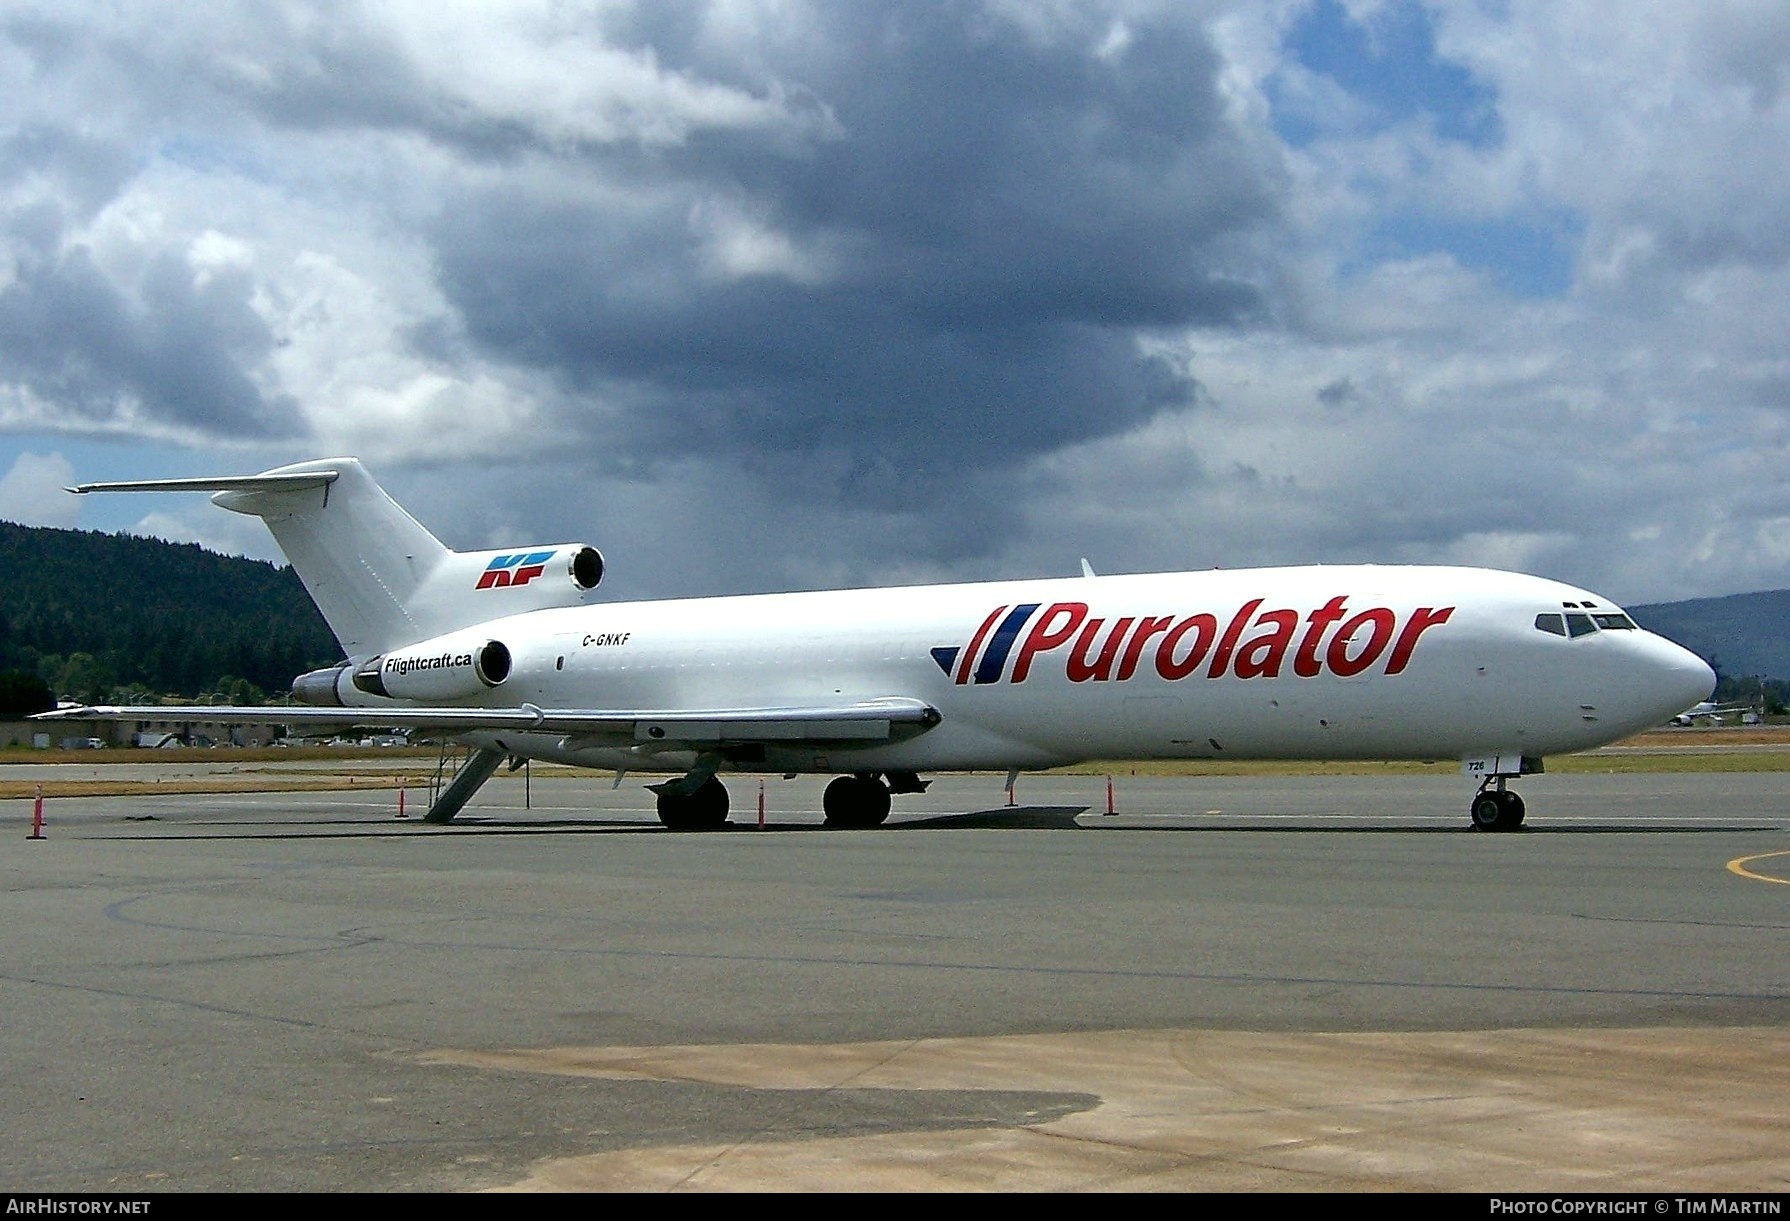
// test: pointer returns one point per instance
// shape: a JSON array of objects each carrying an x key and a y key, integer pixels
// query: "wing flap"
[{"x": 805, "y": 730}]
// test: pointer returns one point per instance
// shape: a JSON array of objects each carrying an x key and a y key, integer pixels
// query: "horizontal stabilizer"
[{"x": 223, "y": 483}]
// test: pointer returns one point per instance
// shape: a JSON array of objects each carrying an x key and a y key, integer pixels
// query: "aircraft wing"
[{"x": 705, "y": 728}]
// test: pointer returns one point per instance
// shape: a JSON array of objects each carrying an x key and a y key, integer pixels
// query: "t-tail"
[{"x": 378, "y": 576}]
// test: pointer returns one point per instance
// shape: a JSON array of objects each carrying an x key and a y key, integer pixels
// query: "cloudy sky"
[{"x": 771, "y": 294}]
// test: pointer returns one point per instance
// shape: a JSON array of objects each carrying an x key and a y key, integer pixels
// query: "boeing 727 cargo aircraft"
[{"x": 512, "y": 653}]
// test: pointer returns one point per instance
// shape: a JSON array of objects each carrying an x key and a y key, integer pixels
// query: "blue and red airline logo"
[
  {"x": 517, "y": 569},
  {"x": 1247, "y": 643}
]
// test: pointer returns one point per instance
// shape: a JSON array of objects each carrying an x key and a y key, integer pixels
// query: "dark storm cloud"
[
  {"x": 998, "y": 215},
  {"x": 849, "y": 291},
  {"x": 85, "y": 172},
  {"x": 177, "y": 350},
  {"x": 174, "y": 341}
]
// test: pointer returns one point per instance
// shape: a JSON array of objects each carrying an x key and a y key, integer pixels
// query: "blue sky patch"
[
  {"x": 1391, "y": 69},
  {"x": 1526, "y": 258}
]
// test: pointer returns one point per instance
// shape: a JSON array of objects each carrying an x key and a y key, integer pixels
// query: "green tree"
[
  {"x": 23, "y": 693},
  {"x": 234, "y": 690},
  {"x": 84, "y": 677},
  {"x": 172, "y": 618}
]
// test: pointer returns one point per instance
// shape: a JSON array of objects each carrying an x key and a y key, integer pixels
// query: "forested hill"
[
  {"x": 98, "y": 614},
  {"x": 1742, "y": 635}
]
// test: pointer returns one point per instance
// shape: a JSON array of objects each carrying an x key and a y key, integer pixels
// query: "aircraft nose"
[{"x": 1681, "y": 677}]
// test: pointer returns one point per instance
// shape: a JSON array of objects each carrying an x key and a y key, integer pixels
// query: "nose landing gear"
[{"x": 1496, "y": 808}]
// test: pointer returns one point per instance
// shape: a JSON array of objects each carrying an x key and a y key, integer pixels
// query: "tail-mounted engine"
[
  {"x": 568, "y": 569},
  {"x": 472, "y": 586},
  {"x": 446, "y": 669}
]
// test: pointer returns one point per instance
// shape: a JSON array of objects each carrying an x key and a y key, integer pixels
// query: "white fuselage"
[{"x": 1359, "y": 662}]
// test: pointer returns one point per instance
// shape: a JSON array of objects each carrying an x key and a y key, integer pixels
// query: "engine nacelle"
[
  {"x": 321, "y": 688},
  {"x": 464, "y": 587},
  {"x": 559, "y": 569},
  {"x": 452, "y": 667}
]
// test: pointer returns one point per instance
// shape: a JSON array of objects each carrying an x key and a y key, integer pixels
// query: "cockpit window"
[{"x": 1576, "y": 623}]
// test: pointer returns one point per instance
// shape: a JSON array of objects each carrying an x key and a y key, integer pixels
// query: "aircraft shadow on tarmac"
[
  {"x": 1049, "y": 818},
  {"x": 1066, "y": 818},
  {"x": 1015, "y": 818}
]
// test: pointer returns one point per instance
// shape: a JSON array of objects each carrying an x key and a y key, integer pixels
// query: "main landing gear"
[
  {"x": 702, "y": 808},
  {"x": 862, "y": 800},
  {"x": 698, "y": 801},
  {"x": 856, "y": 801},
  {"x": 1496, "y": 808}
]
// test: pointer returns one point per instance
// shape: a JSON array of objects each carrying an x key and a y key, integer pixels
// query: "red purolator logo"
[{"x": 1247, "y": 643}]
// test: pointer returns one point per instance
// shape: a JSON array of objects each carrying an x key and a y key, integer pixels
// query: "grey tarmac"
[{"x": 1314, "y": 983}]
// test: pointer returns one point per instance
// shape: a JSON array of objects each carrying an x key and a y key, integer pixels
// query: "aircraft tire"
[
  {"x": 855, "y": 801},
  {"x": 1497, "y": 811},
  {"x": 1513, "y": 810},
  {"x": 703, "y": 810},
  {"x": 1488, "y": 812}
]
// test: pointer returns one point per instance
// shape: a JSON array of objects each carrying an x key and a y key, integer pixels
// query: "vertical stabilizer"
[{"x": 359, "y": 554}]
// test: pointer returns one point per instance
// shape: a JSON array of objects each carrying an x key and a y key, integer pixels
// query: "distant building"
[{"x": 163, "y": 731}]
